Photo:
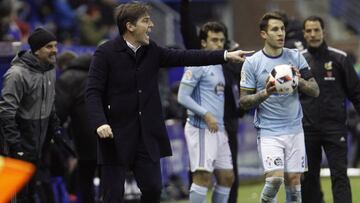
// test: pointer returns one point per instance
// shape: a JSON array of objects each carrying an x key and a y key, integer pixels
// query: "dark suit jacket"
[{"x": 122, "y": 91}]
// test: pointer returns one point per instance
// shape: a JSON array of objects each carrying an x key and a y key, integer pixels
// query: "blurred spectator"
[
  {"x": 70, "y": 105},
  {"x": 174, "y": 110},
  {"x": 9, "y": 31},
  {"x": 90, "y": 27},
  {"x": 353, "y": 121},
  {"x": 294, "y": 34},
  {"x": 65, "y": 59}
]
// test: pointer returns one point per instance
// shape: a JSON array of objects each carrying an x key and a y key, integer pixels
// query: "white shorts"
[
  {"x": 207, "y": 151},
  {"x": 283, "y": 152}
]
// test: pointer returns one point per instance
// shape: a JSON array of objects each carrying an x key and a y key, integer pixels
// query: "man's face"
[
  {"x": 47, "y": 53},
  {"x": 214, "y": 41},
  {"x": 313, "y": 33},
  {"x": 275, "y": 34},
  {"x": 142, "y": 29}
]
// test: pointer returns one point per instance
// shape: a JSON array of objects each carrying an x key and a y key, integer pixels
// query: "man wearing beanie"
[{"x": 27, "y": 116}]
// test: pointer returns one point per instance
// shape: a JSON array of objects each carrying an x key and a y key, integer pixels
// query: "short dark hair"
[
  {"x": 129, "y": 12},
  {"x": 314, "y": 18},
  {"x": 214, "y": 27},
  {"x": 264, "y": 21}
]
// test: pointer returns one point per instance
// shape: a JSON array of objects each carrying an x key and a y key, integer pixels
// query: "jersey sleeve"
[
  {"x": 303, "y": 64},
  {"x": 247, "y": 77},
  {"x": 192, "y": 76},
  {"x": 190, "y": 79}
]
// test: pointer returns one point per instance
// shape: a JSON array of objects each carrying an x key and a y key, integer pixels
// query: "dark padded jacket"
[
  {"x": 27, "y": 106},
  {"x": 70, "y": 103},
  {"x": 337, "y": 81}
]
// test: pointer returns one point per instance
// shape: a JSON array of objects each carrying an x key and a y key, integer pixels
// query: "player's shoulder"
[
  {"x": 255, "y": 56},
  {"x": 336, "y": 51},
  {"x": 292, "y": 52}
]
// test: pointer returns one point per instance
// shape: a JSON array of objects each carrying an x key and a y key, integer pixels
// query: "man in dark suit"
[{"x": 124, "y": 106}]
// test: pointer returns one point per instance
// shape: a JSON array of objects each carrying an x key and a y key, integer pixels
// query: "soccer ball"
[{"x": 285, "y": 78}]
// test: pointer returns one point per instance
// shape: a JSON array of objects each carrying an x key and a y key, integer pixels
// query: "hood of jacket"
[{"x": 28, "y": 60}]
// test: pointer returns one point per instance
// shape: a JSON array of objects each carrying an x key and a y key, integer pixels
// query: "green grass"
[{"x": 250, "y": 193}]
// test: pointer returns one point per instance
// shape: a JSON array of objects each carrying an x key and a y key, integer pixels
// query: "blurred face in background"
[
  {"x": 214, "y": 41},
  {"x": 313, "y": 33},
  {"x": 274, "y": 35}
]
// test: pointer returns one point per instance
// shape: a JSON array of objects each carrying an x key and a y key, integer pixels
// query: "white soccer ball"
[{"x": 286, "y": 80}]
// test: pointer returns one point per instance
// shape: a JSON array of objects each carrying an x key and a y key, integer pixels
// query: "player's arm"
[
  {"x": 307, "y": 83},
  {"x": 185, "y": 99},
  {"x": 249, "y": 99}
]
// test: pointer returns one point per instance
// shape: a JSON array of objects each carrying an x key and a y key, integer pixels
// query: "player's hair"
[
  {"x": 264, "y": 21},
  {"x": 314, "y": 18},
  {"x": 129, "y": 12},
  {"x": 214, "y": 27}
]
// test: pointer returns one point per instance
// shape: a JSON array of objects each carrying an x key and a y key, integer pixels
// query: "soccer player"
[
  {"x": 231, "y": 71},
  {"x": 325, "y": 117},
  {"x": 201, "y": 91},
  {"x": 277, "y": 117}
]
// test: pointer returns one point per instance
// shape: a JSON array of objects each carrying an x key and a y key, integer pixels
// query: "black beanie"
[{"x": 39, "y": 38}]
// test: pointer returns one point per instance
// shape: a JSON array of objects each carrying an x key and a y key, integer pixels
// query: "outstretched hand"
[{"x": 237, "y": 56}]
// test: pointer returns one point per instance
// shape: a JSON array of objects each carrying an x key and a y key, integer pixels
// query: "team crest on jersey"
[
  {"x": 219, "y": 89},
  {"x": 328, "y": 66},
  {"x": 188, "y": 75},
  {"x": 278, "y": 162},
  {"x": 329, "y": 74}
]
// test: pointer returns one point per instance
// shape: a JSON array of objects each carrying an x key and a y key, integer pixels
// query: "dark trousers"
[
  {"x": 231, "y": 127},
  {"x": 335, "y": 147},
  {"x": 85, "y": 177},
  {"x": 146, "y": 172},
  {"x": 38, "y": 189}
]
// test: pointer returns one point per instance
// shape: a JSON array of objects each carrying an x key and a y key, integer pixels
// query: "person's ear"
[
  {"x": 263, "y": 34},
  {"x": 203, "y": 43},
  {"x": 130, "y": 26}
]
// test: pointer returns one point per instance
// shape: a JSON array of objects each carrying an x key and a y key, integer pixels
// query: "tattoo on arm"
[
  {"x": 309, "y": 87},
  {"x": 249, "y": 100}
]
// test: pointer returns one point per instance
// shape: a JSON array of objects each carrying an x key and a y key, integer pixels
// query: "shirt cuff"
[{"x": 225, "y": 52}]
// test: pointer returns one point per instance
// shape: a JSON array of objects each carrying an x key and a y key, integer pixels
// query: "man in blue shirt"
[
  {"x": 202, "y": 93},
  {"x": 277, "y": 117}
]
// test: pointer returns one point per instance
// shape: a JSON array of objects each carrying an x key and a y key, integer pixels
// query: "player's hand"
[
  {"x": 211, "y": 122},
  {"x": 270, "y": 86},
  {"x": 237, "y": 56},
  {"x": 105, "y": 131},
  {"x": 297, "y": 72}
]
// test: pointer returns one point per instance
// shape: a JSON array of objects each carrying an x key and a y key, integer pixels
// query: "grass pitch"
[{"x": 250, "y": 193}]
